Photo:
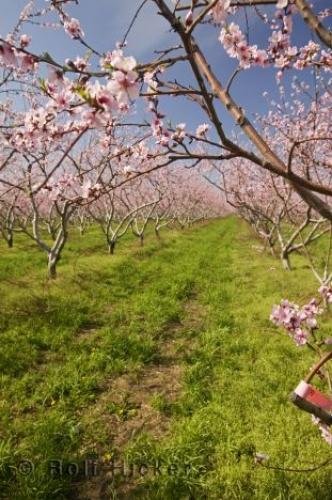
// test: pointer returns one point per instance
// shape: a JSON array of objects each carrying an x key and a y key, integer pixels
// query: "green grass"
[{"x": 207, "y": 289}]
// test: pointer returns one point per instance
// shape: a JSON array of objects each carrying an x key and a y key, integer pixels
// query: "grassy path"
[{"x": 162, "y": 356}]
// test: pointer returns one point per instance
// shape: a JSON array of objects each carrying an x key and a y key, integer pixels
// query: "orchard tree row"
[{"x": 161, "y": 198}]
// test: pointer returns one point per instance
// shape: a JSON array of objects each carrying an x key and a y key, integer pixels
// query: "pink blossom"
[
  {"x": 105, "y": 62},
  {"x": 300, "y": 337},
  {"x": 278, "y": 41},
  {"x": 73, "y": 28},
  {"x": 230, "y": 37},
  {"x": 79, "y": 63},
  {"x": 220, "y": 11},
  {"x": 121, "y": 63},
  {"x": 7, "y": 56},
  {"x": 281, "y": 62},
  {"x": 102, "y": 95},
  {"x": 292, "y": 51},
  {"x": 235, "y": 44},
  {"x": 55, "y": 80},
  {"x": 164, "y": 139},
  {"x": 28, "y": 63},
  {"x": 93, "y": 118},
  {"x": 25, "y": 40},
  {"x": 260, "y": 57},
  {"x": 297, "y": 322},
  {"x": 179, "y": 133},
  {"x": 202, "y": 130},
  {"x": 326, "y": 59},
  {"x": 62, "y": 100},
  {"x": 36, "y": 119},
  {"x": 158, "y": 131},
  {"x": 310, "y": 310},
  {"x": 124, "y": 86}
]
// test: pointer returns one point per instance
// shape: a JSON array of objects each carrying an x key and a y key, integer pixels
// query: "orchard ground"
[{"x": 162, "y": 357}]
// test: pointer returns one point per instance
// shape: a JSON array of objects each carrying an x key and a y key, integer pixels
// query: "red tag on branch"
[{"x": 311, "y": 394}]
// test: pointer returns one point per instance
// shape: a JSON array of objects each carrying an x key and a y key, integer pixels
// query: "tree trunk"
[
  {"x": 271, "y": 247},
  {"x": 285, "y": 260},
  {"x": 111, "y": 247},
  {"x": 156, "y": 230},
  {"x": 10, "y": 240},
  {"x": 142, "y": 239},
  {"x": 52, "y": 262}
]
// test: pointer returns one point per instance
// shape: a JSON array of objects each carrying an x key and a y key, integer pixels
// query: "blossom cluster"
[
  {"x": 159, "y": 131},
  {"x": 73, "y": 28},
  {"x": 279, "y": 51},
  {"x": 298, "y": 322},
  {"x": 180, "y": 132},
  {"x": 235, "y": 44},
  {"x": 68, "y": 187},
  {"x": 221, "y": 10},
  {"x": 17, "y": 60},
  {"x": 123, "y": 84},
  {"x": 75, "y": 106}
]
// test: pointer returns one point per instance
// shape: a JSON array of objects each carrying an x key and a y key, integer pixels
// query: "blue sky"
[{"x": 104, "y": 23}]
